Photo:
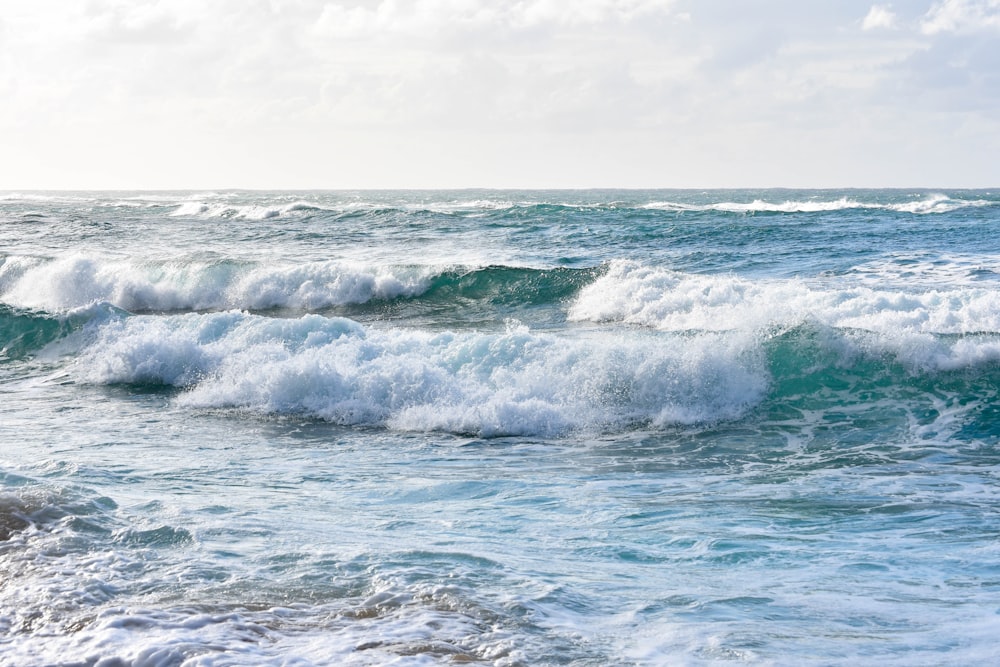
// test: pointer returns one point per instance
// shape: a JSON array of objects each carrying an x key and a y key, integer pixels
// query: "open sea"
[{"x": 600, "y": 427}]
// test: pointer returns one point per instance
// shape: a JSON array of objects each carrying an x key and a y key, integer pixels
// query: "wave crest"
[
  {"x": 203, "y": 209},
  {"x": 633, "y": 293},
  {"x": 75, "y": 281},
  {"x": 511, "y": 383},
  {"x": 935, "y": 203}
]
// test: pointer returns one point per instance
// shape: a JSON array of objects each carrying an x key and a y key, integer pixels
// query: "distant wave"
[
  {"x": 761, "y": 206},
  {"x": 49, "y": 197},
  {"x": 278, "y": 205},
  {"x": 936, "y": 203},
  {"x": 266, "y": 211},
  {"x": 633, "y": 293},
  {"x": 243, "y": 211},
  {"x": 266, "y": 206}
]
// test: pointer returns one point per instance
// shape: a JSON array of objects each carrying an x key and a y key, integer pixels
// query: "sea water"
[{"x": 500, "y": 428}]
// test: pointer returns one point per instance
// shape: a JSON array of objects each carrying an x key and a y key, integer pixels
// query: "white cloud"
[
  {"x": 434, "y": 17},
  {"x": 147, "y": 22},
  {"x": 326, "y": 93},
  {"x": 879, "y": 16},
  {"x": 961, "y": 16}
]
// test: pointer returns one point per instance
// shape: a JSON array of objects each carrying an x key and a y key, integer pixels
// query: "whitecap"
[
  {"x": 668, "y": 300},
  {"x": 516, "y": 382},
  {"x": 75, "y": 280}
]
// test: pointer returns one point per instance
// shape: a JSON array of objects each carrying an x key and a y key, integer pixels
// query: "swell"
[
  {"x": 808, "y": 360},
  {"x": 506, "y": 286},
  {"x": 851, "y": 389},
  {"x": 24, "y": 332}
]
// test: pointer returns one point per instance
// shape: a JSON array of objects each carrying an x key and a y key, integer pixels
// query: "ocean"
[{"x": 600, "y": 427}]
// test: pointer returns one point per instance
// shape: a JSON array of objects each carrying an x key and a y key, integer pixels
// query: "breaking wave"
[
  {"x": 516, "y": 382},
  {"x": 75, "y": 281},
  {"x": 664, "y": 299}
]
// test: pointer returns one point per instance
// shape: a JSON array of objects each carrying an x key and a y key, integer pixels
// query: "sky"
[{"x": 171, "y": 94}]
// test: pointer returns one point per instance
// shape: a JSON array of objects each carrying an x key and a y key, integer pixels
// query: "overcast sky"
[{"x": 498, "y": 93}]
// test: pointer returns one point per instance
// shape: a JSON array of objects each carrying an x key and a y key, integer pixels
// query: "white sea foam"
[
  {"x": 938, "y": 203},
  {"x": 88, "y": 588},
  {"x": 14, "y": 268},
  {"x": 464, "y": 206},
  {"x": 668, "y": 300},
  {"x": 516, "y": 382},
  {"x": 205, "y": 209},
  {"x": 45, "y": 197},
  {"x": 73, "y": 281},
  {"x": 788, "y": 207},
  {"x": 921, "y": 352},
  {"x": 83, "y": 603},
  {"x": 935, "y": 203},
  {"x": 138, "y": 637},
  {"x": 760, "y": 206},
  {"x": 927, "y": 270},
  {"x": 208, "y": 208}
]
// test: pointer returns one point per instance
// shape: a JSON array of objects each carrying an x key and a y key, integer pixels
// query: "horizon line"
[{"x": 491, "y": 188}]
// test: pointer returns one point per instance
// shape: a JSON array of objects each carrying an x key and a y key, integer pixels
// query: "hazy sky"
[{"x": 498, "y": 93}]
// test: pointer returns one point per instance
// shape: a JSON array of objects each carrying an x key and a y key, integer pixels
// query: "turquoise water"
[{"x": 499, "y": 427}]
